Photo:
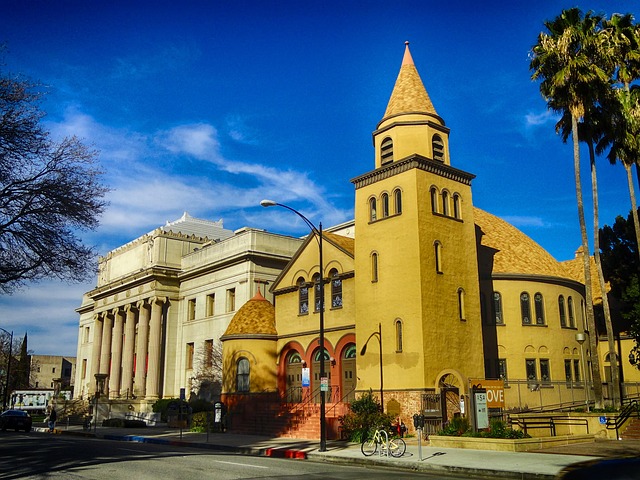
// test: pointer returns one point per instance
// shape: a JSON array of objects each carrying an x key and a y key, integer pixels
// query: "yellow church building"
[{"x": 442, "y": 294}]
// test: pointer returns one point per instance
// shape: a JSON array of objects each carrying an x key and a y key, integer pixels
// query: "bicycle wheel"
[
  {"x": 369, "y": 447},
  {"x": 397, "y": 447}
]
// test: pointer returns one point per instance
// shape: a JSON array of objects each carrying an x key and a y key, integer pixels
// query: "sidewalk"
[{"x": 540, "y": 465}]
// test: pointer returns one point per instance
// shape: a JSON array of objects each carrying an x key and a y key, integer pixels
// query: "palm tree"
[
  {"x": 570, "y": 81},
  {"x": 623, "y": 53},
  {"x": 590, "y": 131}
]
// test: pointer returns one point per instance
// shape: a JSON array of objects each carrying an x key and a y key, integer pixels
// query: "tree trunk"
[
  {"x": 591, "y": 323},
  {"x": 634, "y": 207},
  {"x": 613, "y": 357}
]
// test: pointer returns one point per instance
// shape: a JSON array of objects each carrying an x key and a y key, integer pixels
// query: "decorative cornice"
[
  {"x": 565, "y": 282},
  {"x": 413, "y": 162},
  {"x": 249, "y": 336}
]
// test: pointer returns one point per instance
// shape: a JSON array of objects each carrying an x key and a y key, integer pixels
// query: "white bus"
[{"x": 34, "y": 400}]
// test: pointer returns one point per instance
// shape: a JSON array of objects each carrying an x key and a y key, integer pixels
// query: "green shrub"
[
  {"x": 460, "y": 427},
  {"x": 364, "y": 416},
  {"x": 200, "y": 421}
]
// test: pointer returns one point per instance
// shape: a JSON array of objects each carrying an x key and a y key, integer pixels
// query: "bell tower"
[{"x": 415, "y": 252}]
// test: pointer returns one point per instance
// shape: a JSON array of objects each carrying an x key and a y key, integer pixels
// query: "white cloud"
[
  {"x": 537, "y": 119},
  {"x": 524, "y": 221}
]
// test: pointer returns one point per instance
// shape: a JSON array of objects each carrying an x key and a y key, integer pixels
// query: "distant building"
[{"x": 47, "y": 369}]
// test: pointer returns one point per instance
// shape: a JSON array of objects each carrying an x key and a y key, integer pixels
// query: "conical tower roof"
[
  {"x": 409, "y": 94},
  {"x": 256, "y": 317}
]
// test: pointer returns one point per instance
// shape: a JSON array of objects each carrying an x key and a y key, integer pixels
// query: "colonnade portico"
[{"x": 131, "y": 359}]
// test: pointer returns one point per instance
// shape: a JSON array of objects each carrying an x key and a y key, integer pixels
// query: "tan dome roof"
[
  {"x": 513, "y": 251},
  {"x": 256, "y": 317}
]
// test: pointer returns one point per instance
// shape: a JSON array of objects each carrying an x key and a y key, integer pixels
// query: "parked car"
[
  {"x": 16, "y": 419},
  {"x": 627, "y": 468}
]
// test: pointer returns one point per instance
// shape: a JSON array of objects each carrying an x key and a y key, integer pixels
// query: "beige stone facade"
[
  {"x": 47, "y": 370},
  {"x": 166, "y": 297}
]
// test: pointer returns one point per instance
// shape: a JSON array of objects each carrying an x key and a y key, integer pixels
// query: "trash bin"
[{"x": 219, "y": 414}]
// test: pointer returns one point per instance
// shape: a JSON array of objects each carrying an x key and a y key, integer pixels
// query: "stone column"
[
  {"x": 142, "y": 347},
  {"x": 116, "y": 353},
  {"x": 127, "y": 354},
  {"x": 105, "y": 348},
  {"x": 95, "y": 351},
  {"x": 155, "y": 348}
]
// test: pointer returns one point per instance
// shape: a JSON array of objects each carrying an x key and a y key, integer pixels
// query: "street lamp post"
[
  {"x": 100, "y": 379},
  {"x": 377, "y": 334},
  {"x": 580, "y": 338},
  {"x": 6, "y": 385},
  {"x": 318, "y": 232}
]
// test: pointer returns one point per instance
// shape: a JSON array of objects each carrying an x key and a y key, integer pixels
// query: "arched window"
[
  {"x": 437, "y": 250},
  {"x": 562, "y": 311},
  {"x": 539, "y": 307},
  {"x": 303, "y": 297},
  {"x": 445, "y": 203},
  {"x": 386, "y": 151},
  {"x": 243, "y": 369},
  {"x": 497, "y": 308},
  {"x": 461, "y": 309},
  {"x": 385, "y": 205},
  {"x": 374, "y": 267},
  {"x": 294, "y": 357},
  {"x": 434, "y": 200},
  {"x": 397, "y": 196},
  {"x": 456, "y": 207},
  {"x": 438, "y": 148},
  {"x": 525, "y": 308},
  {"x": 349, "y": 352},
  {"x": 398, "y": 335},
  {"x": 336, "y": 289},
  {"x": 572, "y": 318},
  {"x": 373, "y": 214},
  {"x": 317, "y": 293}
]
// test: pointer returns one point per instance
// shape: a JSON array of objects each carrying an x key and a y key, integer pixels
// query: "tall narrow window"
[
  {"x": 497, "y": 308},
  {"x": 576, "y": 370},
  {"x": 438, "y": 148},
  {"x": 562, "y": 311},
  {"x": 303, "y": 297},
  {"x": 502, "y": 369},
  {"x": 572, "y": 319},
  {"x": 530, "y": 368},
  {"x": 568, "y": 372},
  {"x": 208, "y": 353},
  {"x": 397, "y": 195},
  {"x": 398, "y": 335},
  {"x": 437, "y": 247},
  {"x": 386, "y": 151},
  {"x": 539, "y": 307},
  {"x": 211, "y": 304},
  {"x": 385, "y": 205},
  {"x": 525, "y": 308},
  {"x": 374, "y": 267},
  {"x": 84, "y": 368},
  {"x": 434, "y": 200},
  {"x": 191, "y": 307},
  {"x": 445, "y": 203},
  {"x": 231, "y": 299},
  {"x": 456, "y": 207},
  {"x": 189, "y": 356},
  {"x": 545, "y": 371},
  {"x": 243, "y": 370},
  {"x": 316, "y": 291},
  {"x": 373, "y": 214},
  {"x": 336, "y": 289},
  {"x": 461, "y": 312}
]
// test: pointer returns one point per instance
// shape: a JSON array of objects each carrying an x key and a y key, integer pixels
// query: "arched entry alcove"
[
  {"x": 294, "y": 377},
  {"x": 451, "y": 386}
]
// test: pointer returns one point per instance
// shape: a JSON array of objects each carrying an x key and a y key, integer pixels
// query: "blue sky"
[{"x": 209, "y": 107}]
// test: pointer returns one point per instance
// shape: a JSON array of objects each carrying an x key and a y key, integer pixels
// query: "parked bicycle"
[{"x": 388, "y": 444}]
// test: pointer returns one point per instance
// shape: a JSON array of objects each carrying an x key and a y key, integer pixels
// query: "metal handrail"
[{"x": 626, "y": 413}]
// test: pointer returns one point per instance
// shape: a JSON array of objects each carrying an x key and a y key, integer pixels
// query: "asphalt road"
[{"x": 39, "y": 455}]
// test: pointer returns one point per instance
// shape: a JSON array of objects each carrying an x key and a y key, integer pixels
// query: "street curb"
[{"x": 296, "y": 454}]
